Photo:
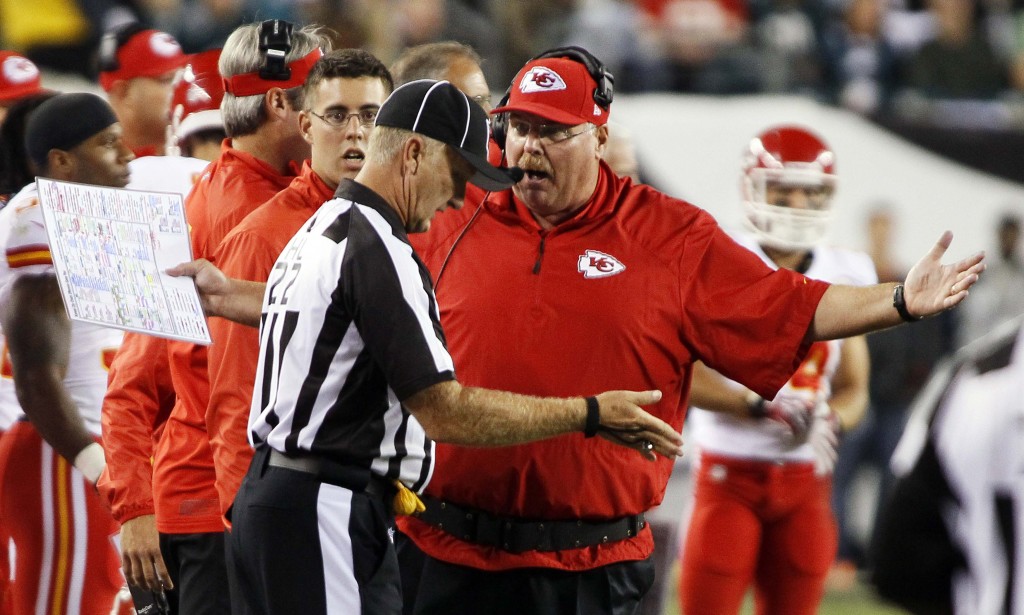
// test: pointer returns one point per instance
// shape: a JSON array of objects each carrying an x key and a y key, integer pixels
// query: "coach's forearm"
[{"x": 845, "y": 311}]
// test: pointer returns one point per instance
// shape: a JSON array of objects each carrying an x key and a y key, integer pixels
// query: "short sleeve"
[
  {"x": 742, "y": 318},
  {"x": 28, "y": 249}
]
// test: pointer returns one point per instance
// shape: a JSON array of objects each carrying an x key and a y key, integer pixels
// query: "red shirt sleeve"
[
  {"x": 233, "y": 358},
  {"x": 744, "y": 319},
  {"x": 139, "y": 399}
]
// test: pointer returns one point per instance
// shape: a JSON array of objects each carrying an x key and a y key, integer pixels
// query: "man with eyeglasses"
[
  {"x": 575, "y": 280},
  {"x": 341, "y": 97}
]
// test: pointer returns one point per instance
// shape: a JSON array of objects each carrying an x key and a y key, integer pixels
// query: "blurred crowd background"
[{"x": 924, "y": 60}]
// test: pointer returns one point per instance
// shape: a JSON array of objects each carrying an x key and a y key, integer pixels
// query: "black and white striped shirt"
[{"x": 350, "y": 327}]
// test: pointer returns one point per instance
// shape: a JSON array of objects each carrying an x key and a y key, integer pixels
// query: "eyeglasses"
[
  {"x": 339, "y": 119},
  {"x": 548, "y": 134}
]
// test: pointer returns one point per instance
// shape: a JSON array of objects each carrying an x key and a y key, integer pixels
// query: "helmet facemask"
[{"x": 787, "y": 184}]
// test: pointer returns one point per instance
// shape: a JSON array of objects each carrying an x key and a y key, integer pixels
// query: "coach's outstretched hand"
[
  {"x": 626, "y": 423},
  {"x": 932, "y": 287}
]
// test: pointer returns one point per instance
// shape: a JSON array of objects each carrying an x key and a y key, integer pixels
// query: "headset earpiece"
[
  {"x": 275, "y": 43},
  {"x": 603, "y": 93},
  {"x": 499, "y": 122}
]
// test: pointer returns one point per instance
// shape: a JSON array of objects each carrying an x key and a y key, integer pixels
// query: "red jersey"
[
  {"x": 626, "y": 294},
  {"x": 249, "y": 252},
  {"x": 232, "y": 187}
]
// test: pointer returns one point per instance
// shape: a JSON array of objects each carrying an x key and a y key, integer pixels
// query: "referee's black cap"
[{"x": 439, "y": 110}]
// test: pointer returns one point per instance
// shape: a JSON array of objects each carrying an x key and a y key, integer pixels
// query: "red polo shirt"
[{"x": 626, "y": 294}]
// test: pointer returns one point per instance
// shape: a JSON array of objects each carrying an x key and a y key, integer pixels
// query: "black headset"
[
  {"x": 275, "y": 43},
  {"x": 112, "y": 41},
  {"x": 602, "y": 94}
]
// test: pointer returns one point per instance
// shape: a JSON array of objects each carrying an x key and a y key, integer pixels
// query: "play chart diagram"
[{"x": 110, "y": 247}]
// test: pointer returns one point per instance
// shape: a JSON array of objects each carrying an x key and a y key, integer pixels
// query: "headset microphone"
[{"x": 515, "y": 174}]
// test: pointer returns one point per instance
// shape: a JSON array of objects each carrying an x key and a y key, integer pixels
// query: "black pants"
[
  {"x": 196, "y": 565},
  {"x": 299, "y": 545},
  {"x": 433, "y": 587}
]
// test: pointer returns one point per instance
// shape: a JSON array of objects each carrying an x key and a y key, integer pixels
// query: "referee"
[{"x": 355, "y": 382}]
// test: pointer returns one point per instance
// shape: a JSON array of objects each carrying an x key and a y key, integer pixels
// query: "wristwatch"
[{"x": 900, "y": 303}]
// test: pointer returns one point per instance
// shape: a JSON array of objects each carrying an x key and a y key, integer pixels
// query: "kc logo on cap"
[
  {"x": 19, "y": 77},
  {"x": 17, "y": 69},
  {"x": 541, "y": 79},
  {"x": 163, "y": 44},
  {"x": 560, "y": 90}
]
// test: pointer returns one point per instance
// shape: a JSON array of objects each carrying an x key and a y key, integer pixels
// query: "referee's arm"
[
  {"x": 471, "y": 416},
  {"x": 239, "y": 301}
]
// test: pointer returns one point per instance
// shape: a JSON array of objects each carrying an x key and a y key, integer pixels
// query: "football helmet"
[
  {"x": 195, "y": 104},
  {"x": 788, "y": 181}
]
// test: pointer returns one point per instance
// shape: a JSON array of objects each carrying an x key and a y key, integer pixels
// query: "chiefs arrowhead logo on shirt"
[
  {"x": 541, "y": 79},
  {"x": 19, "y": 70},
  {"x": 594, "y": 264}
]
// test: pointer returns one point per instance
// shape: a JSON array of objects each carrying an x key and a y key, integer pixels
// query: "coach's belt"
[
  {"x": 518, "y": 535},
  {"x": 333, "y": 473}
]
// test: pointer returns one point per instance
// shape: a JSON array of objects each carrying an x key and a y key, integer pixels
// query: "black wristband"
[
  {"x": 593, "y": 418},
  {"x": 900, "y": 303},
  {"x": 756, "y": 404}
]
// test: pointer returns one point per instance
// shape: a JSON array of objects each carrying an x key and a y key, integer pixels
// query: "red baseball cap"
[
  {"x": 560, "y": 90},
  {"x": 148, "y": 53},
  {"x": 19, "y": 77}
]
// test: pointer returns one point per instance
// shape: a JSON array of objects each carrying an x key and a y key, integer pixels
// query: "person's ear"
[
  {"x": 602, "y": 139},
  {"x": 414, "y": 154},
  {"x": 275, "y": 101},
  {"x": 119, "y": 90},
  {"x": 305, "y": 126},
  {"x": 59, "y": 164}
]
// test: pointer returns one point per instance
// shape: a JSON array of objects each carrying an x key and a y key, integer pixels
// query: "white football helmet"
[{"x": 778, "y": 162}]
